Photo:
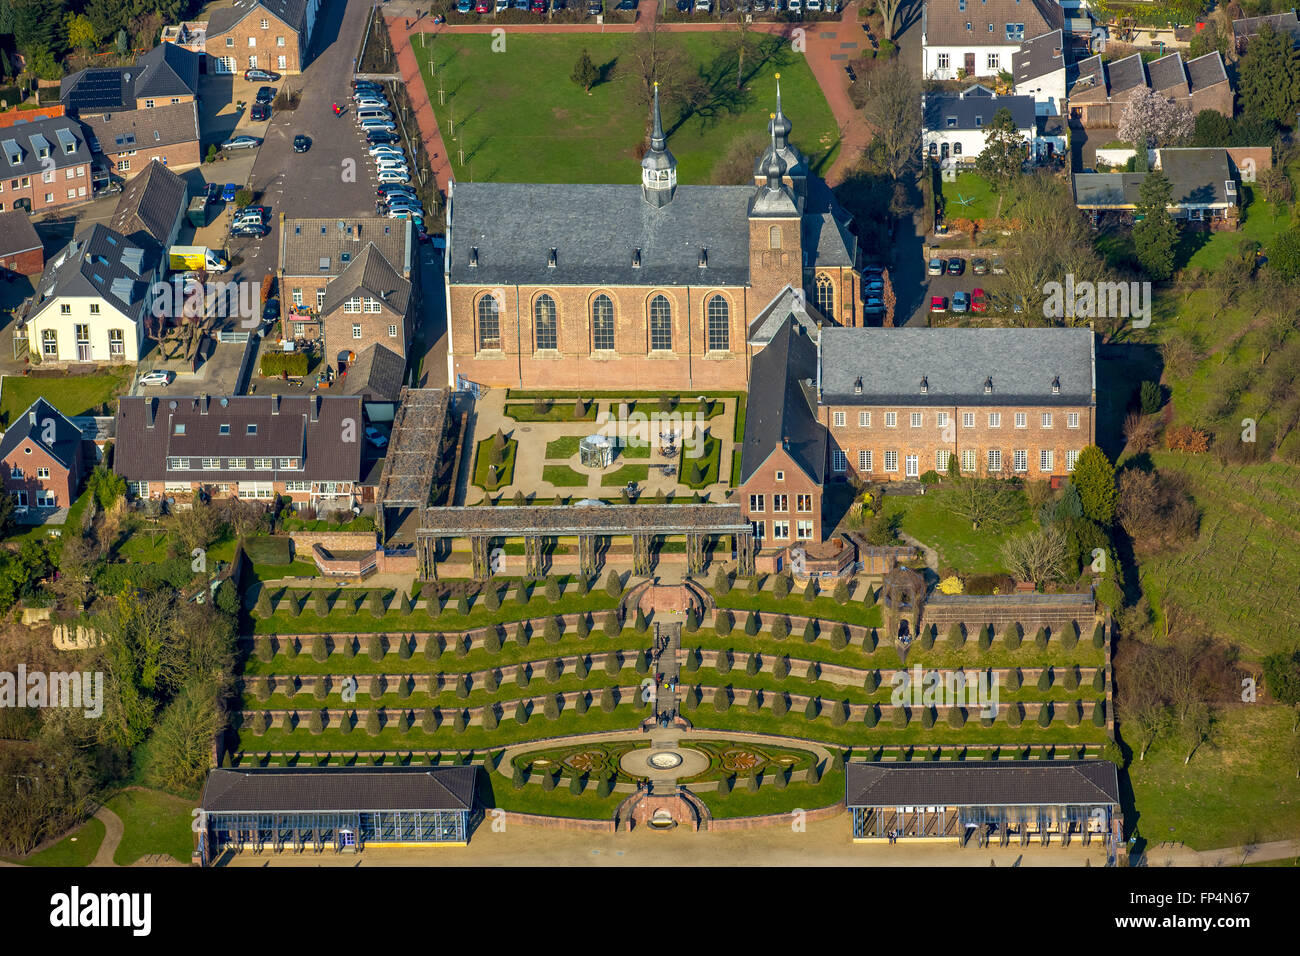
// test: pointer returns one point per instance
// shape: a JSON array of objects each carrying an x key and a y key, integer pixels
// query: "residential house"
[
  {"x": 45, "y": 164},
  {"x": 956, "y": 126},
  {"x": 308, "y": 447},
  {"x": 981, "y": 37},
  {"x": 91, "y": 301},
  {"x": 165, "y": 76},
  {"x": 1099, "y": 91},
  {"x": 1039, "y": 70},
  {"x": 315, "y": 252},
  {"x": 152, "y": 205},
  {"x": 1244, "y": 29},
  {"x": 42, "y": 458},
  {"x": 369, "y": 303},
  {"x": 1204, "y": 185},
  {"x": 261, "y": 34},
  {"x": 190, "y": 35},
  {"x": 124, "y": 143},
  {"x": 897, "y": 403},
  {"x": 21, "y": 249}
]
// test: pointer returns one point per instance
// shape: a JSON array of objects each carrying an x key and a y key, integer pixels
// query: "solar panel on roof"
[{"x": 97, "y": 90}]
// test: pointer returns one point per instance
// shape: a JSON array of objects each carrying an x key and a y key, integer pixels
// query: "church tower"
[
  {"x": 659, "y": 166},
  {"x": 796, "y": 167},
  {"x": 775, "y": 230}
]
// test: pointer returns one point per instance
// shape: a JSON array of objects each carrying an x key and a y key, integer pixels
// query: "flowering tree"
[{"x": 1153, "y": 121}]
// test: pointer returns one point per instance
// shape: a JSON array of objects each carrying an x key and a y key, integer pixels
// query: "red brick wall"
[
  {"x": 374, "y": 330},
  {"x": 36, "y": 188},
  {"x": 795, "y": 482},
  {"x": 266, "y": 49},
  {"x": 175, "y": 156},
  {"x": 61, "y": 481},
  {"x": 29, "y": 263}
]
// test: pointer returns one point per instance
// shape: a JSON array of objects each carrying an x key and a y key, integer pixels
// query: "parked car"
[
  {"x": 979, "y": 266},
  {"x": 255, "y": 75},
  {"x": 482, "y": 6},
  {"x": 938, "y": 303},
  {"x": 378, "y": 137},
  {"x": 261, "y": 212},
  {"x": 979, "y": 301},
  {"x": 683, "y": 6},
  {"x": 595, "y": 8},
  {"x": 213, "y": 192},
  {"x": 703, "y": 6},
  {"x": 250, "y": 231},
  {"x": 502, "y": 5},
  {"x": 265, "y": 94},
  {"x": 936, "y": 267},
  {"x": 464, "y": 6},
  {"x": 301, "y": 143},
  {"x": 999, "y": 267},
  {"x": 260, "y": 113},
  {"x": 367, "y": 85},
  {"x": 813, "y": 6},
  {"x": 271, "y": 311},
  {"x": 241, "y": 142},
  {"x": 795, "y": 6},
  {"x": 379, "y": 126},
  {"x": 376, "y": 437},
  {"x": 392, "y": 176},
  {"x": 393, "y": 191},
  {"x": 228, "y": 192},
  {"x": 158, "y": 376},
  {"x": 627, "y": 4},
  {"x": 960, "y": 302},
  {"x": 956, "y": 266},
  {"x": 386, "y": 149},
  {"x": 537, "y": 6}
]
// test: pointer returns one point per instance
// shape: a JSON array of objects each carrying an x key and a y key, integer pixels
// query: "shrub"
[
  {"x": 956, "y": 717},
  {"x": 810, "y": 590},
  {"x": 722, "y": 623},
  {"x": 522, "y": 676},
  {"x": 552, "y": 670},
  {"x": 642, "y": 662},
  {"x": 1099, "y": 679},
  {"x": 576, "y": 784},
  {"x": 492, "y": 598},
  {"x": 869, "y": 642},
  {"x": 1151, "y": 397},
  {"x": 1040, "y": 639},
  {"x": 841, "y": 593},
  {"x": 1045, "y": 715},
  {"x": 1099, "y": 636},
  {"x": 434, "y": 645},
  {"x": 375, "y": 647},
  {"x": 1099, "y": 714},
  {"x": 725, "y": 786},
  {"x": 521, "y": 713},
  {"x": 927, "y": 637},
  {"x": 462, "y": 605},
  {"x": 462, "y": 686},
  {"x": 373, "y": 723},
  {"x": 985, "y": 638},
  {"x": 607, "y": 700},
  {"x": 956, "y": 636},
  {"x": 721, "y": 582},
  {"x": 780, "y": 703},
  {"x": 551, "y": 632},
  {"x": 781, "y": 586},
  {"x": 753, "y": 586},
  {"x": 751, "y": 782},
  {"x": 517, "y": 778},
  {"x": 612, "y": 625},
  {"x": 872, "y": 681},
  {"x": 780, "y": 628},
  {"x": 641, "y": 624},
  {"x": 724, "y": 662},
  {"x": 428, "y": 720},
  {"x": 582, "y": 702},
  {"x": 692, "y": 621},
  {"x": 258, "y": 723},
  {"x": 1070, "y": 678},
  {"x": 613, "y": 586},
  {"x": 751, "y": 624},
  {"x": 813, "y": 673},
  {"x": 551, "y": 707},
  {"x": 347, "y": 721},
  {"x": 582, "y": 667},
  {"x": 1011, "y": 636},
  {"x": 755, "y": 702},
  {"x": 1070, "y": 636},
  {"x": 839, "y": 714},
  {"x": 290, "y": 647},
  {"x": 809, "y": 631},
  {"x": 1045, "y": 679},
  {"x": 1012, "y": 678},
  {"x": 492, "y": 639},
  {"x": 612, "y": 664},
  {"x": 898, "y": 716},
  {"x": 693, "y": 661},
  {"x": 872, "y": 715},
  {"x": 927, "y": 717},
  {"x": 276, "y": 364},
  {"x": 404, "y": 647},
  {"x": 722, "y": 699},
  {"x": 839, "y": 637},
  {"x": 1014, "y": 715},
  {"x": 265, "y": 651},
  {"x": 1073, "y": 713},
  {"x": 492, "y": 680},
  {"x": 753, "y": 664},
  {"x": 549, "y": 780},
  {"x": 553, "y": 589},
  {"x": 950, "y": 585},
  {"x": 320, "y": 604},
  {"x": 403, "y": 687},
  {"x": 523, "y": 593},
  {"x": 781, "y": 667}
]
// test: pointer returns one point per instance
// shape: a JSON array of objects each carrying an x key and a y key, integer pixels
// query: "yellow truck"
[{"x": 195, "y": 258}]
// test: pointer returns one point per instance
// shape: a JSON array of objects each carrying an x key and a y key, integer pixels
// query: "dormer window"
[
  {"x": 180, "y": 429},
  {"x": 1056, "y": 385},
  {"x": 636, "y": 258},
  {"x": 988, "y": 385},
  {"x": 473, "y": 257},
  {"x": 979, "y": 122},
  {"x": 952, "y": 122},
  {"x": 551, "y": 259},
  {"x": 251, "y": 430},
  {"x": 857, "y": 386},
  {"x": 224, "y": 429},
  {"x": 925, "y": 385},
  {"x": 704, "y": 258}
]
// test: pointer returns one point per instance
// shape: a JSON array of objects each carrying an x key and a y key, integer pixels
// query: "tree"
[
  {"x": 1282, "y": 677},
  {"x": 1004, "y": 149},
  {"x": 1094, "y": 478},
  {"x": 1269, "y": 72},
  {"x": 81, "y": 33},
  {"x": 613, "y": 586},
  {"x": 1156, "y": 235},
  {"x": 653, "y": 57},
  {"x": 893, "y": 108},
  {"x": 1284, "y": 254},
  {"x": 552, "y": 589},
  {"x": 584, "y": 72},
  {"x": 984, "y": 502},
  {"x": 1152, "y": 121},
  {"x": 1040, "y": 556},
  {"x": 1155, "y": 510},
  {"x": 889, "y": 10}
]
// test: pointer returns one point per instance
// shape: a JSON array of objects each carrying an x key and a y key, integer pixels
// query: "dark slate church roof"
[
  {"x": 973, "y": 784},
  {"x": 782, "y": 405},
  {"x": 334, "y": 789},
  {"x": 956, "y": 363},
  {"x": 595, "y": 230}
]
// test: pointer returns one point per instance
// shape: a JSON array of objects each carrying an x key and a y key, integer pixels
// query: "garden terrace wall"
[
  {"x": 304, "y": 541},
  {"x": 775, "y": 819},
  {"x": 558, "y": 823},
  {"x": 1030, "y": 611}
]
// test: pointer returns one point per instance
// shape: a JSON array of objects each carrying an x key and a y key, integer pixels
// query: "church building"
[{"x": 656, "y": 286}]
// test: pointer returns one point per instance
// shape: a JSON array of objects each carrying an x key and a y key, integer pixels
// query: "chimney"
[
  {"x": 785, "y": 442},
  {"x": 857, "y": 386},
  {"x": 1056, "y": 385},
  {"x": 151, "y": 411},
  {"x": 203, "y": 403},
  {"x": 925, "y": 384},
  {"x": 315, "y": 408},
  {"x": 988, "y": 385},
  {"x": 275, "y": 403},
  {"x": 31, "y": 417}
]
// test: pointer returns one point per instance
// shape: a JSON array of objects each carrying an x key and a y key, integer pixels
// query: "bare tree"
[
  {"x": 893, "y": 108},
  {"x": 983, "y": 502},
  {"x": 889, "y": 10},
  {"x": 1039, "y": 556}
]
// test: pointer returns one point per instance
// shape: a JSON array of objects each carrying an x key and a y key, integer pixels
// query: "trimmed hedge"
[{"x": 283, "y": 363}]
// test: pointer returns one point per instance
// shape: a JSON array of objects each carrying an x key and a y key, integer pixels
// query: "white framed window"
[
  {"x": 297, "y": 486},
  {"x": 265, "y": 24},
  {"x": 178, "y": 464},
  {"x": 392, "y": 331},
  {"x": 994, "y": 62},
  {"x": 287, "y": 463},
  {"x": 941, "y": 460},
  {"x": 757, "y": 503},
  {"x": 252, "y": 42},
  {"x": 230, "y": 41},
  {"x": 864, "y": 419},
  {"x": 839, "y": 462},
  {"x": 941, "y": 419},
  {"x": 780, "y": 476},
  {"x": 780, "y": 503},
  {"x": 864, "y": 461},
  {"x": 944, "y": 61},
  {"x": 211, "y": 464},
  {"x": 72, "y": 193},
  {"x": 1045, "y": 461},
  {"x": 42, "y": 472},
  {"x": 781, "y": 530},
  {"x": 891, "y": 419},
  {"x": 804, "y": 504},
  {"x": 124, "y": 165},
  {"x": 279, "y": 41},
  {"x": 837, "y": 419},
  {"x": 65, "y": 308},
  {"x": 995, "y": 460},
  {"x": 356, "y": 331},
  {"x": 917, "y": 418},
  {"x": 21, "y": 498},
  {"x": 912, "y": 466},
  {"x": 353, "y": 305},
  {"x": 804, "y": 530},
  {"x": 49, "y": 198},
  {"x": 46, "y": 499},
  {"x": 968, "y": 459},
  {"x": 891, "y": 461},
  {"x": 1072, "y": 420},
  {"x": 47, "y": 176},
  {"x": 1022, "y": 420},
  {"x": 320, "y": 298},
  {"x": 967, "y": 419},
  {"x": 297, "y": 296},
  {"x": 1047, "y": 419},
  {"x": 1070, "y": 458},
  {"x": 282, "y": 61},
  {"x": 995, "y": 419},
  {"x": 238, "y": 464},
  {"x": 1020, "y": 460},
  {"x": 263, "y": 464}
]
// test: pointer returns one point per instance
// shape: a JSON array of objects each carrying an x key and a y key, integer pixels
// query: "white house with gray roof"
[
  {"x": 90, "y": 304},
  {"x": 957, "y": 127}
]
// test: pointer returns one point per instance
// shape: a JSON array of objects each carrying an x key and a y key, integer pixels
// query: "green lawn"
[
  {"x": 709, "y": 459},
  {"x": 559, "y": 412},
  {"x": 769, "y": 799},
  {"x": 70, "y": 394},
  {"x": 78, "y": 848},
  {"x": 1263, "y": 223},
  {"x": 986, "y": 200},
  {"x": 154, "y": 822},
  {"x": 505, "y": 473},
  {"x": 925, "y": 518},
  {"x": 563, "y": 447},
  {"x": 562, "y": 476},
  {"x": 622, "y": 476},
  {"x": 519, "y": 118},
  {"x": 634, "y": 451}
]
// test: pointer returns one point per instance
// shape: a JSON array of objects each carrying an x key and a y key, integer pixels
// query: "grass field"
[
  {"x": 562, "y": 476},
  {"x": 505, "y": 472},
  {"x": 154, "y": 822},
  {"x": 78, "y": 848},
  {"x": 925, "y": 518},
  {"x": 519, "y": 118},
  {"x": 72, "y": 395}
]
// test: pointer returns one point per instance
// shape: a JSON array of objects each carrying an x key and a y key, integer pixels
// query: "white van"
[{"x": 374, "y": 114}]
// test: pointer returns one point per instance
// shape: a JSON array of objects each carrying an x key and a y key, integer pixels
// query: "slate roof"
[
  {"x": 30, "y": 424},
  {"x": 292, "y": 12},
  {"x": 377, "y": 374},
  {"x": 1038, "y": 57},
  {"x": 584, "y": 519},
  {"x": 125, "y": 130},
  {"x": 1126, "y": 74},
  {"x": 142, "y": 450},
  {"x": 1106, "y": 189},
  {"x": 974, "y": 112},
  {"x": 788, "y": 303},
  {"x": 101, "y": 263},
  {"x": 151, "y": 203},
  {"x": 335, "y": 789},
  {"x": 325, "y": 247},
  {"x": 956, "y": 364},
  {"x": 782, "y": 405},
  {"x": 945, "y": 21},
  {"x": 1198, "y": 176},
  {"x": 973, "y": 784},
  {"x": 27, "y": 138},
  {"x": 17, "y": 234},
  {"x": 595, "y": 230},
  {"x": 1281, "y": 22},
  {"x": 369, "y": 274},
  {"x": 1087, "y": 76},
  {"x": 1168, "y": 72},
  {"x": 167, "y": 70},
  {"x": 1205, "y": 71},
  {"x": 1093, "y": 81}
]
